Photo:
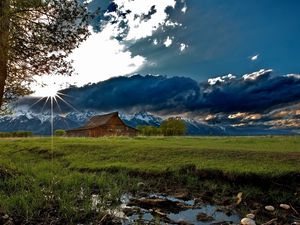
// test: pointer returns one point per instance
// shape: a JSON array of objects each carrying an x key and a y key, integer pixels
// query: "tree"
[
  {"x": 36, "y": 37},
  {"x": 173, "y": 127},
  {"x": 60, "y": 133},
  {"x": 149, "y": 130}
]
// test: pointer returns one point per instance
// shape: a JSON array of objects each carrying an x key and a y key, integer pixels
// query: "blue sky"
[{"x": 223, "y": 35}]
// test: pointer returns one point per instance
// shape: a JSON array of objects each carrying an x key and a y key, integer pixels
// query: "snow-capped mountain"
[
  {"x": 40, "y": 123},
  {"x": 142, "y": 118}
]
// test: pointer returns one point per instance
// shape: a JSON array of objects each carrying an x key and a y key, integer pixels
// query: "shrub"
[
  {"x": 60, "y": 133},
  {"x": 173, "y": 127},
  {"x": 16, "y": 134}
]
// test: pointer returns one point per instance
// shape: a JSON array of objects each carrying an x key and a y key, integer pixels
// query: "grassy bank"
[{"x": 37, "y": 181}]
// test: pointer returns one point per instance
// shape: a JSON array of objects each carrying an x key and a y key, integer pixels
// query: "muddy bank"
[
  {"x": 288, "y": 179},
  {"x": 166, "y": 209},
  {"x": 186, "y": 196}
]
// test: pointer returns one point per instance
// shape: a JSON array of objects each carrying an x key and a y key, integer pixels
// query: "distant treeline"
[
  {"x": 16, "y": 134},
  {"x": 170, "y": 127}
]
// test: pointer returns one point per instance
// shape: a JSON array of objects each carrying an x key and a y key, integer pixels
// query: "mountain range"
[{"x": 40, "y": 124}]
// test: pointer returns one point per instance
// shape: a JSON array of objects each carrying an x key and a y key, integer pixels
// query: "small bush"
[
  {"x": 16, "y": 134},
  {"x": 60, "y": 133}
]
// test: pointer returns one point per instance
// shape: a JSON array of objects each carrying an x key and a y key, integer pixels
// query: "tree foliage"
[
  {"x": 149, "y": 130},
  {"x": 60, "y": 133},
  {"x": 16, "y": 134},
  {"x": 169, "y": 127},
  {"x": 173, "y": 127},
  {"x": 36, "y": 37}
]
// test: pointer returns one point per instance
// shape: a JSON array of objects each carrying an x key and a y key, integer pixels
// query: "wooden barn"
[{"x": 103, "y": 125}]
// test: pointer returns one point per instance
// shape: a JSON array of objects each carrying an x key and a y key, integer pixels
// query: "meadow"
[{"x": 53, "y": 179}]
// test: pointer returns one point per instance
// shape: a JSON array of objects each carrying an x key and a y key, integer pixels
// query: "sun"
[
  {"x": 46, "y": 91},
  {"x": 46, "y": 86}
]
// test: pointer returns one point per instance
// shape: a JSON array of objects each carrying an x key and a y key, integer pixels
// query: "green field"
[
  {"x": 37, "y": 180},
  {"x": 259, "y": 155}
]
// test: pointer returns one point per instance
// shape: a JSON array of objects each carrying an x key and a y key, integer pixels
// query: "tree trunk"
[{"x": 4, "y": 44}]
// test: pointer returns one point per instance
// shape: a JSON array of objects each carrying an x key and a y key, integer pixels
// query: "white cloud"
[
  {"x": 295, "y": 76},
  {"x": 98, "y": 58},
  {"x": 139, "y": 28},
  {"x": 254, "y": 58},
  {"x": 155, "y": 42},
  {"x": 255, "y": 75},
  {"x": 184, "y": 9},
  {"x": 183, "y": 47},
  {"x": 168, "y": 42},
  {"x": 170, "y": 23},
  {"x": 102, "y": 57},
  {"x": 213, "y": 81}
]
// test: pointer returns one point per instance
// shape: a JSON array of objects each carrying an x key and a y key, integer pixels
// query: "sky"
[
  {"x": 199, "y": 39},
  {"x": 230, "y": 62}
]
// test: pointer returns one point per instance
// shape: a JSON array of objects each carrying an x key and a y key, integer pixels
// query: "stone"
[
  {"x": 181, "y": 222},
  {"x": 9, "y": 222},
  {"x": 247, "y": 221},
  {"x": 182, "y": 194},
  {"x": 204, "y": 217},
  {"x": 284, "y": 206},
  {"x": 158, "y": 212},
  {"x": 250, "y": 216},
  {"x": 270, "y": 208},
  {"x": 239, "y": 198},
  {"x": 5, "y": 217}
]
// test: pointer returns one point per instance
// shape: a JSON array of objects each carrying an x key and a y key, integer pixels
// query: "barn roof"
[
  {"x": 97, "y": 121},
  {"x": 100, "y": 120}
]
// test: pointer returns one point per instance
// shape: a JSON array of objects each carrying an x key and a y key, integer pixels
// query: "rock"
[
  {"x": 204, "y": 217},
  {"x": 250, "y": 216},
  {"x": 284, "y": 206},
  {"x": 9, "y": 222},
  {"x": 181, "y": 222},
  {"x": 5, "y": 217},
  {"x": 182, "y": 194},
  {"x": 221, "y": 223},
  {"x": 247, "y": 221},
  {"x": 160, "y": 213},
  {"x": 270, "y": 208},
  {"x": 239, "y": 198}
]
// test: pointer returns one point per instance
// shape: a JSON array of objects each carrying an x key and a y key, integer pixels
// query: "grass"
[
  {"x": 37, "y": 181},
  {"x": 260, "y": 155}
]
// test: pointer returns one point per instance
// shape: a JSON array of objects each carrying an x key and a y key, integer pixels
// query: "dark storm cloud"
[
  {"x": 253, "y": 94},
  {"x": 153, "y": 93}
]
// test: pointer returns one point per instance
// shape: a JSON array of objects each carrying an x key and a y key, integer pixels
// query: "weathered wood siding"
[{"x": 114, "y": 127}]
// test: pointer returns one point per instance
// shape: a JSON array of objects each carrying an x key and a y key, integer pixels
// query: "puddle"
[{"x": 161, "y": 214}]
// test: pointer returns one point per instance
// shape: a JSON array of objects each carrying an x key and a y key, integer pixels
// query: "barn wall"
[
  {"x": 114, "y": 127},
  {"x": 113, "y": 130},
  {"x": 78, "y": 133}
]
